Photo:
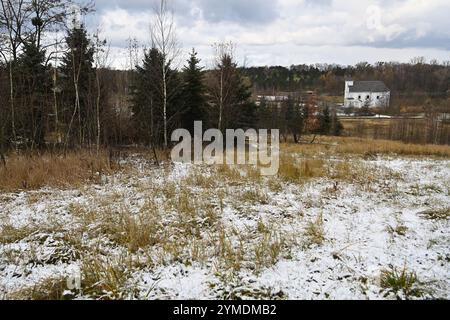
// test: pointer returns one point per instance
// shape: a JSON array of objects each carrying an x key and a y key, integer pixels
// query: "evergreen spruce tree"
[
  {"x": 336, "y": 127},
  {"x": 246, "y": 111},
  {"x": 147, "y": 99},
  {"x": 325, "y": 121},
  {"x": 194, "y": 100},
  {"x": 230, "y": 94},
  {"x": 265, "y": 118},
  {"x": 79, "y": 84},
  {"x": 294, "y": 118},
  {"x": 34, "y": 85}
]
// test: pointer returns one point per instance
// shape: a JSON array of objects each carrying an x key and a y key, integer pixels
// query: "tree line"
[{"x": 61, "y": 93}]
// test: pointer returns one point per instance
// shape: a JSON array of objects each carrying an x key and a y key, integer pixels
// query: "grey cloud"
[
  {"x": 430, "y": 41},
  {"x": 180, "y": 7},
  {"x": 279, "y": 23},
  {"x": 240, "y": 11},
  {"x": 244, "y": 12},
  {"x": 319, "y": 2}
]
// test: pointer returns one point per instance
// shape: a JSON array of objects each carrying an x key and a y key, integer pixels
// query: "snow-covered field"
[{"x": 197, "y": 232}]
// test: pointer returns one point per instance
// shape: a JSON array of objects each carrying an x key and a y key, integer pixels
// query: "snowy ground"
[{"x": 190, "y": 232}]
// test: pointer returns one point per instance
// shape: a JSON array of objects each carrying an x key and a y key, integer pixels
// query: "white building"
[{"x": 366, "y": 93}]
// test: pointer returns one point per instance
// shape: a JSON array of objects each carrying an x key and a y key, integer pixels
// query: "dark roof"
[{"x": 369, "y": 86}]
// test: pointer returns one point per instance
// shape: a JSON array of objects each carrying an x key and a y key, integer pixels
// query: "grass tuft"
[
  {"x": 51, "y": 289},
  {"x": 436, "y": 214},
  {"x": 401, "y": 282},
  {"x": 315, "y": 232},
  {"x": 104, "y": 279}
]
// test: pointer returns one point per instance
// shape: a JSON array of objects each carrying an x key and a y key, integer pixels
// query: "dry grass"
[
  {"x": 30, "y": 172},
  {"x": 368, "y": 147},
  {"x": 275, "y": 185},
  {"x": 254, "y": 196},
  {"x": 315, "y": 232},
  {"x": 104, "y": 279},
  {"x": 436, "y": 214},
  {"x": 50, "y": 289},
  {"x": 228, "y": 173},
  {"x": 230, "y": 256},
  {"x": 201, "y": 180},
  {"x": 270, "y": 246},
  {"x": 11, "y": 234},
  {"x": 365, "y": 148},
  {"x": 403, "y": 281},
  {"x": 300, "y": 171},
  {"x": 400, "y": 129},
  {"x": 398, "y": 230},
  {"x": 132, "y": 231},
  {"x": 188, "y": 221}
]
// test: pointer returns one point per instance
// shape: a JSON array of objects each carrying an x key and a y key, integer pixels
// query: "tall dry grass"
[
  {"x": 299, "y": 170},
  {"x": 30, "y": 172},
  {"x": 365, "y": 147}
]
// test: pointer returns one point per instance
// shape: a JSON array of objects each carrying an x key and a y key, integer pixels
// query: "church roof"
[{"x": 369, "y": 86}]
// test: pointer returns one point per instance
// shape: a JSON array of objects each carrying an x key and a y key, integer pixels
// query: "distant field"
[{"x": 408, "y": 130}]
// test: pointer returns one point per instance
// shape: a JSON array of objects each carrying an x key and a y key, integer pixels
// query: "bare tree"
[
  {"x": 164, "y": 38},
  {"x": 222, "y": 86},
  {"x": 2, "y": 122},
  {"x": 48, "y": 15},
  {"x": 3, "y": 44},
  {"x": 77, "y": 68},
  {"x": 13, "y": 18},
  {"x": 133, "y": 57},
  {"x": 101, "y": 57},
  {"x": 56, "y": 89}
]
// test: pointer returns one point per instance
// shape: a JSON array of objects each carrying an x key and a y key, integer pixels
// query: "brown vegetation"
[
  {"x": 408, "y": 130},
  {"x": 34, "y": 171},
  {"x": 366, "y": 148}
]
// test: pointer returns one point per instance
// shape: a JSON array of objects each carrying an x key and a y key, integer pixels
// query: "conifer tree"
[
  {"x": 229, "y": 92},
  {"x": 79, "y": 75},
  {"x": 146, "y": 98},
  {"x": 34, "y": 85},
  {"x": 325, "y": 121},
  {"x": 336, "y": 125},
  {"x": 150, "y": 113},
  {"x": 194, "y": 100}
]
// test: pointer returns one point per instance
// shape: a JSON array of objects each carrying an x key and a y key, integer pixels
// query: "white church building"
[{"x": 372, "y": 94}]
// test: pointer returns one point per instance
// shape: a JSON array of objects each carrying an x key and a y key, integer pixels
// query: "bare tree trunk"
[
  {"x": 2, "y": 157},
  {"x": 221, "y": 100},
  {"x": 164, "y": 39},
  {"x": 55, "y": 105},
  {"x": 222, "y": 88},
  {"x": 11, "y": 92},
  {"x": 151, "y": 122},
  {"x": 76, "y": 77},
  {"x": 77, "y": 97},
  {"x": 166, "y": 143},
  {"x": 13, "y": 15},
  {"x": 98, "y": 111}
]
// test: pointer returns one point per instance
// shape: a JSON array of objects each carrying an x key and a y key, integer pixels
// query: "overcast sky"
[{"x": 285, "y": 32}]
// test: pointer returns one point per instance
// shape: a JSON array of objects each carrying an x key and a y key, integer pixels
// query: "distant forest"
[{"x": 411, "y": 83}]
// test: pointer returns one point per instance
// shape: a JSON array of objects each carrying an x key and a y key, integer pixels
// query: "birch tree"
[
  {"x": 164, "y": 39},
  {"x": 101, "y": 56},
  {"x": 224, "y": 57},
  {"x": 229, "y": 91}
]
